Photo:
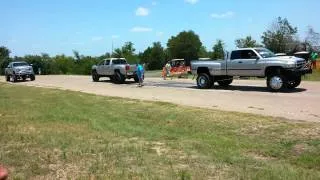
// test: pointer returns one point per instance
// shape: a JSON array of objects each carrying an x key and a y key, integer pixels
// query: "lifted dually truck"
[
  {"x": 19, "y": 70},
  {"x": 117, "y": 69},
  {"x": 281, "y": 72}
]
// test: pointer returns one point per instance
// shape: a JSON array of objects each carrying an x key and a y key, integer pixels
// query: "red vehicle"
[{"x": 178, "y": 68}]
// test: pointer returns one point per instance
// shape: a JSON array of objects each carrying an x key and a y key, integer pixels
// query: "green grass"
[
  {"x": 51, "y": 134},
  {"x": 153, "y": 73},
  {"x": 315, "y": 76}
]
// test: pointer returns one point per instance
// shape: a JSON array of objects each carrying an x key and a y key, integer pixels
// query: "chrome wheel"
[
  {"x": 276, "y": 82},
  {"x": 202, "y": 81}
]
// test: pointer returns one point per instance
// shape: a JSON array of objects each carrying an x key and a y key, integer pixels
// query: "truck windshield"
[
  {"x": 265, "y": 53},
  {"x": 119, "y": 61},
  {"x": 19, "y": 64}
]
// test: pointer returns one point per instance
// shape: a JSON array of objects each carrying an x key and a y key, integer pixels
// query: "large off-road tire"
[
  {"x": 293, "y": 82},
  {"x": 14, "y": 78},
  {"x": 119, "y": 78},
  {"x": 95, "y": 76},
  {"x": 112, "y": 79},
  {"x": 225, "y": 83},
  {"x": 7, "y": 78},
  {"x": 32, "y": 77},
  {"x": 136, "y": 79},
  {"x": 276, "y": 82},
  {"x": 24, "y": 78},
  {"x": 204, "y": 81}
]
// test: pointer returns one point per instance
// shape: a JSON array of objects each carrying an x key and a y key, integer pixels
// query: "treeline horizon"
[{"x": 281, "y": 37}]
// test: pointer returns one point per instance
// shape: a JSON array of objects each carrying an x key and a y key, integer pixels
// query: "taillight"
[{"x": 127, "y": 67}]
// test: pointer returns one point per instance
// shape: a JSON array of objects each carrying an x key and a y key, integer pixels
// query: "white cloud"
[
  {"x": 141, "y": 11},
  {"x": 97, "y": 38},
  {"x": 228, "y": 14},
  {"x": 159, "y": 33},
  {"x": 140, "y": 29},
  {"x": 115, "y": 36},
  {"x": 191, "y": 1},
  {"x": 154, "y": 3}
]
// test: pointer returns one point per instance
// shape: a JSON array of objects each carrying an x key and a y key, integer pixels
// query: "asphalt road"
[{"x": 249, "y": 96}]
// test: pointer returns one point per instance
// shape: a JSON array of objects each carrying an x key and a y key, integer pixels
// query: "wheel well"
[
  {"x": 202, "y": 70},
  {"x": 273, "y": 69}
]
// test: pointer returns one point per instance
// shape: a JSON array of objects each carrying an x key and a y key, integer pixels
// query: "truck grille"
[{"x": 300, "y": 64}]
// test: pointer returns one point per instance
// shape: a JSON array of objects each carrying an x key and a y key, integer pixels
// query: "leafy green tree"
[
  {"x": 4, "y": 58},
  {"x": 247, "y": 42},
  {"x": 126, "y": 51},
  {"x": 154, "y": 56},
  {"x": 312, "y": 40},
  {"x": 4, "y": 52},
  {"x": 185, "y": 45},
  {"x": 218, "y": 50},
  {"x": 64, "y": 64},
  {"x": 145, "y": 56},
  {"x": 117, "y": 53},
  {"x": 76, "y": 55},
  {"x": 203, "y": 53},
  {"x": 36, "y": 62},
  {"x": 281, "y": 36}
]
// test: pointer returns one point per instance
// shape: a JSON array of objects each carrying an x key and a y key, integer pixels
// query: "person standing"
[
  {"x": 314, "y": 57},
  {"x": 168, "y": 68},
  {"x": 140, "y": 74}
]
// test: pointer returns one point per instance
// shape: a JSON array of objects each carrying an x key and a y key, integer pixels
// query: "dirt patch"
[
  {"x": 299, "y": 149},
  {"x": 259, "y": 157}
]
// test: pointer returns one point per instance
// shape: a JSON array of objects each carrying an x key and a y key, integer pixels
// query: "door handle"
[{"x": 240, "y": 62}]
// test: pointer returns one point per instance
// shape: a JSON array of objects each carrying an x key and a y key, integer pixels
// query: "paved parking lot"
[{"x": 243, "y": 96}]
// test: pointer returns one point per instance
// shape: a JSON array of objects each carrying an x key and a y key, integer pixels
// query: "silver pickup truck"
[
  {"x": 281, "y": 72},
  {"x": 19, "y": 70},
  {"x": 117, "y": 69}
]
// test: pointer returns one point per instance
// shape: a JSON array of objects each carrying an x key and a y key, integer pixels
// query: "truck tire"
[
  {"x": 225, "y": 83},
  {"x": 32, "y": 77},
  {"x": 136, "y": 79},
  {"x": 204, "y": 81},
  {"x": 294, "y": 82},
  {"x": 7, "y": 78},
  {"x": 112, "y": 79},
  {"x": 14, "y": 78},
  {"x": 119, "y": 78},
  {"x": 276, "y": 82},
  {"x": 95, "y": 76}
]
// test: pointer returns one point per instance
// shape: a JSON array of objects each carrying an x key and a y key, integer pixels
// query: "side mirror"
[
  {"x": 31, "y": 64},
  {"x": 257, "y": 58}
]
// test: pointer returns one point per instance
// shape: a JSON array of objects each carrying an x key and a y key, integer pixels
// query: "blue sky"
[{"x": 60, "y": 26}]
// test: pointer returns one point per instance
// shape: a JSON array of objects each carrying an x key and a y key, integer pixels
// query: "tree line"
[{"x": 280, "y": 37}]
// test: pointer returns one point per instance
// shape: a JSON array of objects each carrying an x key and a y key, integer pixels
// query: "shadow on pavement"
[
  {"x": 252, "y": 88},
  {"x": 126, "y": 82}
]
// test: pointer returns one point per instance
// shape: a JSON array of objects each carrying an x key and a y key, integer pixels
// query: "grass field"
[
  {"x": 315, "y": 76},
  {"x": 51, "y": 134}
]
